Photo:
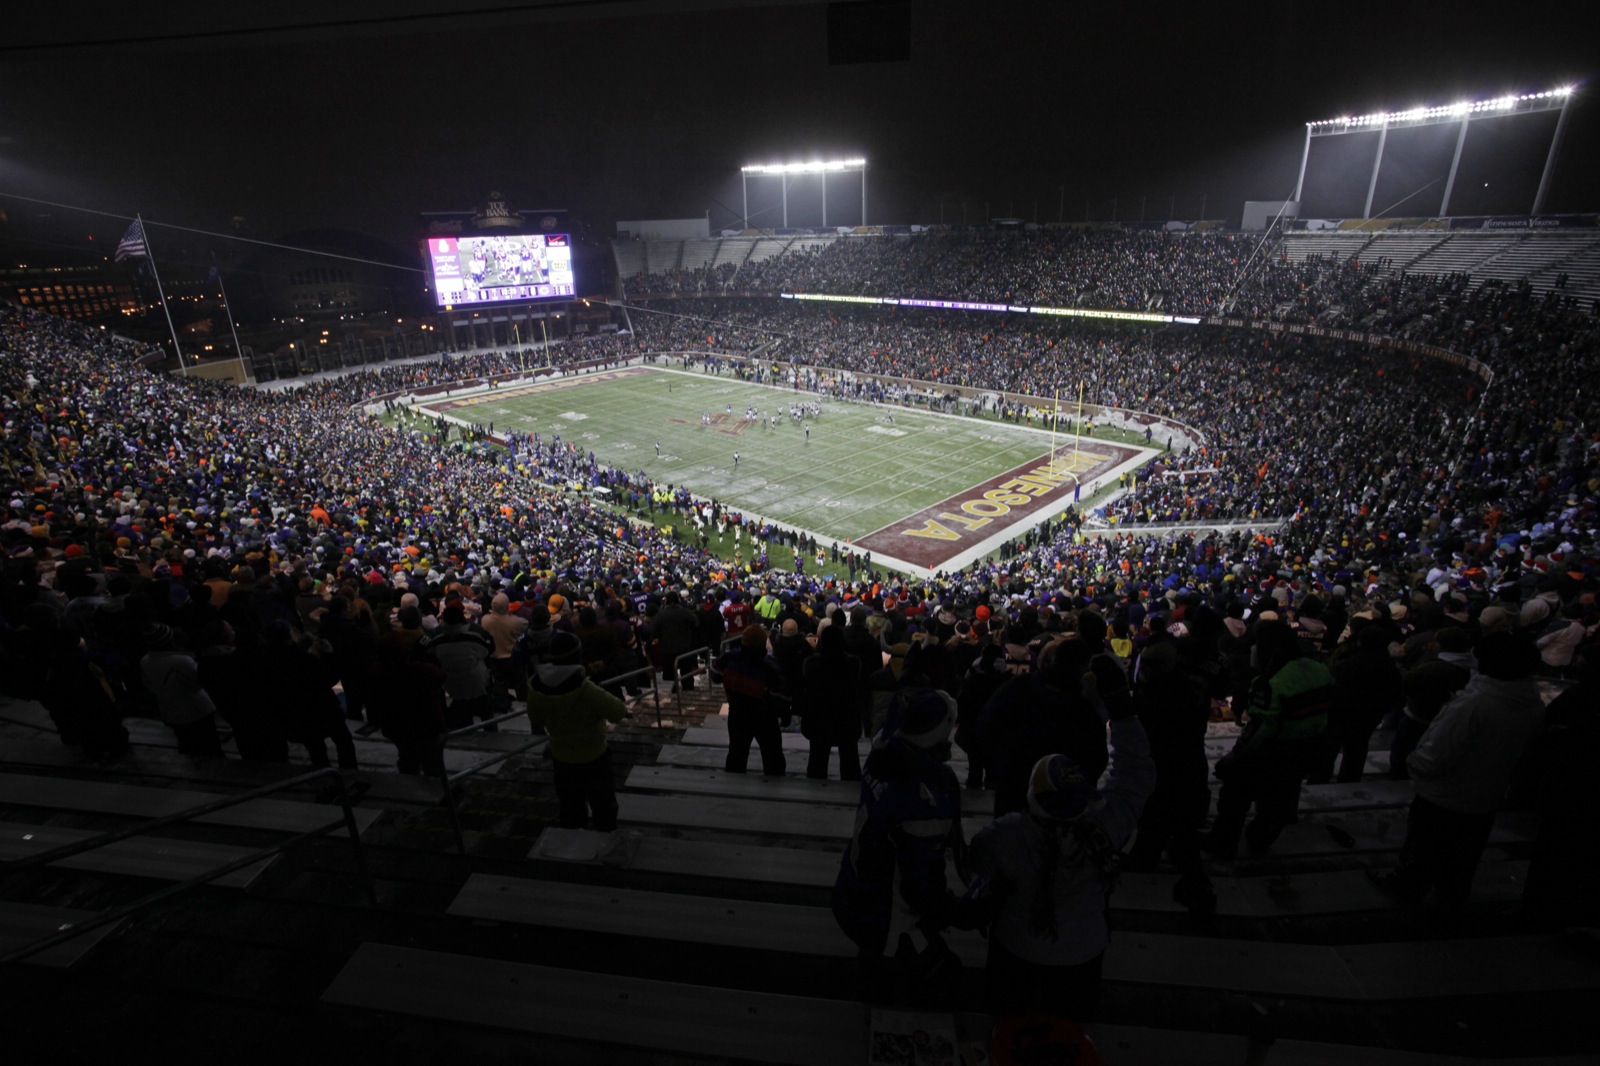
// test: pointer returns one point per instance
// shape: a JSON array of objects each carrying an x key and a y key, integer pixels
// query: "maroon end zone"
[{"x": 935, "y": 535}]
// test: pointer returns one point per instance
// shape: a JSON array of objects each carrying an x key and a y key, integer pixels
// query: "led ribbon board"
[{"x": 962, "y": 305}]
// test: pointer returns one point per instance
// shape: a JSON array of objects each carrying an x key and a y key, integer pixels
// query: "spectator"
[
  {"x": 1041, "y": 713},
  {"x": 1049, "y": 869},
  {"x": 754, "y": 689},
  {"x": 575, "y": 711},
  {"x": 1367, "y": 686},
  {"x": 299, "y": 685},
  {"x": 1462, "y": 767},
  {"x": 1286, "y": 717},
  {"x": 1428, "y": 687},
  {"x": 172, "y": 675},
  {"x": 462, "y": 651},
  {"x": 908, "y": 818},
  {"x": 408, "y": 692},
  {"x": 673, "y": 632},
  {"x": 832, "y": 696},
  {"x": 505, "y": 629}
]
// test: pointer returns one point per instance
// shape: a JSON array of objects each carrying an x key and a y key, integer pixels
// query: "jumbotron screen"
[{"x": 500, "y": 267}]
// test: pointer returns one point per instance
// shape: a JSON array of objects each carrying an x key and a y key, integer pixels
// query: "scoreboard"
[{"x": 500, "y": 267}]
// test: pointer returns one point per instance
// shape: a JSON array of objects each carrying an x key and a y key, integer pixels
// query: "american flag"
[{"x": 132, "y": 244}]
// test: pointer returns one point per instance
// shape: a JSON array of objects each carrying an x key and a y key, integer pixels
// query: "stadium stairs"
[{"x": 700, "y": 931}]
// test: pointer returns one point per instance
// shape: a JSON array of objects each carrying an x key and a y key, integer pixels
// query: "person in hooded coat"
[
  {"x": 907, "y": 821},
  {"x": 575, "y": 711}
]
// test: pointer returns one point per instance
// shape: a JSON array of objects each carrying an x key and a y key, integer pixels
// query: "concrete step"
[
  {"x": 60, "y": 793},
  {"x": 26, "y": 923},
  {"x": 144, "y": 856},
  {"x": 730, "y": 1024},
  {"x": 1407, "y": 970}
]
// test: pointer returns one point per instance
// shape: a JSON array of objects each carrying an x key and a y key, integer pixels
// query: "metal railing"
[
  {"x": 447, "y": 780},
  {"x": 76, "y": 929},
  {"x": 703, "y": 669},
  {"x": 646, "y": 671},
  {"x": 683, "y": 675}
]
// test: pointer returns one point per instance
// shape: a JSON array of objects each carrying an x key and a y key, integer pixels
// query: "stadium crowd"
[{"x": 201, "y": 552}]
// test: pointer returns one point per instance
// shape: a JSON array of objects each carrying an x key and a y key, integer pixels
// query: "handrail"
[
  {"x": 678, "y": 673},
  {"x": 646, "y": 671},
  {"x": 698, "y": 670},
  {"x": 112, "y": 836},
  {"x": 448, "y": 780}
]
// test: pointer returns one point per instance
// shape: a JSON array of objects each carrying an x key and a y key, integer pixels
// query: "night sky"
[{"x": 646, "y": 110}]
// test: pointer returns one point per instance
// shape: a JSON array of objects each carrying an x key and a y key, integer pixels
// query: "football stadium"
[{"x": 591, "y": 636}]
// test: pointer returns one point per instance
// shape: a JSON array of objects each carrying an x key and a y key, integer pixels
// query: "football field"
[{"x": 918, "y": 489}]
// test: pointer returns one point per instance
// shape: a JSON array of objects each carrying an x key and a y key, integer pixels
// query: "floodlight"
[
  {"x": 1463, "y": 112},
  {"x": 815, "y": 167},
  {"x": 1548, "y": 99},
  {"x": 822, "y": 167}
]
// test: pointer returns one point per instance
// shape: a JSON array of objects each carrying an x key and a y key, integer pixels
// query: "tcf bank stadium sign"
[
  {"x": 1371, "y": 340},
  {"x": 495, "y": 213}
]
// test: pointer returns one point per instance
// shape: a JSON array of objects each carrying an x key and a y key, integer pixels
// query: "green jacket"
[
  {"x": 574, "y": 709},
  {"x": 1289, "y": 707}
]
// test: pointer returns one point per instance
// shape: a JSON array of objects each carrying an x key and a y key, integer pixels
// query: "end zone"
[{"x": 963, "y": 528}]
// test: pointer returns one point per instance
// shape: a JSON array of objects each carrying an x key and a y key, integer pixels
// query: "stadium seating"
[{"x": 706, "y": 935}]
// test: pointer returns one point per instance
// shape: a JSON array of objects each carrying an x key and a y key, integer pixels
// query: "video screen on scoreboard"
[{"x": 500, "y": 267}]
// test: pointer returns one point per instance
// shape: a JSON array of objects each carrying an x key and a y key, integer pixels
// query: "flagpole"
[
  {"x": 150, "y": 253},
  {"x": 226, "y": 306}
]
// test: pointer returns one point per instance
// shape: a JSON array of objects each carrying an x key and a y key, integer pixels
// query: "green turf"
[{"x": 857, "y": 473}]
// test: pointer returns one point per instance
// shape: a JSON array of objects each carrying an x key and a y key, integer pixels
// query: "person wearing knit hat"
[
  {"x": 1046, "y": 871},
  {"x": 1496, "y": 620},
  {"x": 908, "y": 818}
]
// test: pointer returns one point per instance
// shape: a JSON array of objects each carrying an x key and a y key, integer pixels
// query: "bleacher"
[
  {"x": 698, "y": 253},
  {"x": 1539, "y": 258},
  {"x": 1398, "y": 249},
  {"x": 1335, "y": 244},
  {"x": 1463, "y": 253},
  {"x": 1582, "y": 270},
  {"x": 701, "y": 932},
  {"x": 767, "y": 247},
  {"x": 734, "y": 250},
  {"x": 629, "y": 256}
]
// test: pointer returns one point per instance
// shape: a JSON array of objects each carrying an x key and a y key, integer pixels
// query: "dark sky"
[{"x": 646, "y": 110}]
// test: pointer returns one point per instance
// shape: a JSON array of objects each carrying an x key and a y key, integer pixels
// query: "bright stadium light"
[
  {"x": 1548, "y": 100},
  {"x": 824, "y": 168},
  {"x": 1463, "y": 112},
  {"x": 834, "y": 166}
]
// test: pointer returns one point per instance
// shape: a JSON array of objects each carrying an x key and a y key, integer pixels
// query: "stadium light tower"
[
  {"x": 1463, "y": 112},
  {"x": 783, "y": 170}
]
